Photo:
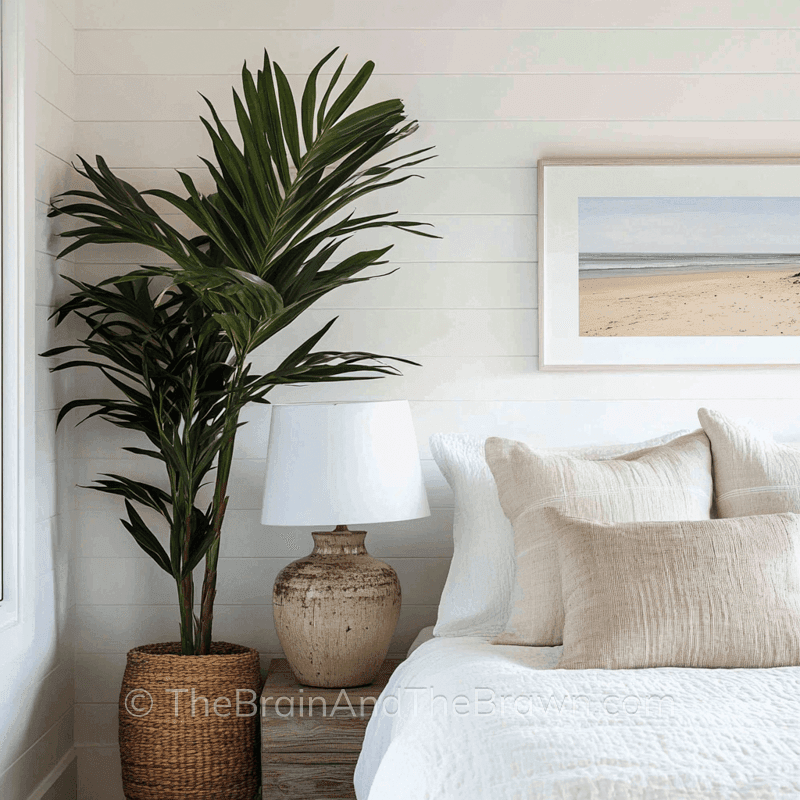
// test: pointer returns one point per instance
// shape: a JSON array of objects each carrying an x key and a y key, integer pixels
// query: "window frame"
[{"x": 17, "y": 287}]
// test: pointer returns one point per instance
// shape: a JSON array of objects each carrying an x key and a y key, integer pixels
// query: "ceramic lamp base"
[{"x": 335, "y": 611}]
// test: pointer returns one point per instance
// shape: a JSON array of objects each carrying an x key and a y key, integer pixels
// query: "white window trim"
[{"x": 18, "y": 307}]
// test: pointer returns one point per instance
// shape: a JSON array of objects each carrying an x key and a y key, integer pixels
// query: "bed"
[
  {"x": 467, "y": 717},
  {"x": 654, "y": 733}
]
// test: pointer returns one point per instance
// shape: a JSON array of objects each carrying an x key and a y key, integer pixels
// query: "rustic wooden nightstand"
[{"x": 309, "y": 741}]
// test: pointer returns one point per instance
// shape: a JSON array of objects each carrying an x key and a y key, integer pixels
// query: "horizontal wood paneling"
[
  {"x": 249, "y": 14},
  {"x": 499, "y": 378},
  {"x": 436, "y": 191},
  {"x": 515, "y": 378},
  {"x": 53, "y": 175},
  {"x": 566, "y": 423},
  {"x": 473, "y": 97},
  {"x": 46, "y": 435},
  {"x": 45, "y": 329},
  {"x": 46, "y": 492},
  {"x": 556, "y": 422},
  {"x": 23, "y": 777},
  {"x": 463, "y": 238},
  {"x": 98, "y": 677},
  {"x": 52, "y": 390},
  {"x": 63, "y": 780},
  {"x": 145, "y": 144},
  {"x": 54, "y": 130},
  {"x": 53, "y": 30},
  {"x": 438, "y": 332},
  {"x": 45, "y": 703},
  {"x": 100, "y": 535},
  {"x": 497, "y": 144},
  {"x": 432, "y": 333},
  {"x": 55, "y": 81},
  {"x": 436, "y": 285},
  {"x": 54, "y": 543},
  {"x": 441, "y": 52},
  {"x": 117, "y": 629},
  {"x": 243, "y": 581},
  {"x": 69, "y": 9},
  {"x": 48, "y": 230},
  {"x": 97, "y": 724},
  {"x": 51, "y": 289},
  {"x": 575, "y": 423}
]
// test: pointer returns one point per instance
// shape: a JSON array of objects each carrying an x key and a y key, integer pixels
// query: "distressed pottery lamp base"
[{"x": 336, "y": 610}]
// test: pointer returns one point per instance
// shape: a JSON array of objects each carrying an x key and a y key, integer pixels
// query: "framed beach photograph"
[{"x": 669, "y": 262}]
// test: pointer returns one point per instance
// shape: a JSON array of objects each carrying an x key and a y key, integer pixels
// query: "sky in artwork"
[{"x": 689, "y": 224}]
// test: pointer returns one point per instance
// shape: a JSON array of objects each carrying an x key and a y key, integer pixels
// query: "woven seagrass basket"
[{"x": 184, "y": 732}]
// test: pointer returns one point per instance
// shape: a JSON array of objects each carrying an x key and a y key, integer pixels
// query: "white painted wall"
[
  {"x": 37, "y": 757},
  {"x": 495, "y": 87}
]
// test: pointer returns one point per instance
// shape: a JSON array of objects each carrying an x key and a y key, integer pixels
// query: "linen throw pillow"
[
  {"x": 752, "y": 473},
  {"x": 476, "y": 600},
  {"x": 710, "y": 593},
  {"x": 668, "y": 482}
]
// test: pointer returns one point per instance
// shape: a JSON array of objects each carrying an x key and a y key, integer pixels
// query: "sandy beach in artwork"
[{"x": 732, "y": 303}]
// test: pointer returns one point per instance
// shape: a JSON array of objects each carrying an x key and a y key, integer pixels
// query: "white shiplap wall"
[
  {"x": 495, "y": 87},
  {"x": 37, "y": 721}
]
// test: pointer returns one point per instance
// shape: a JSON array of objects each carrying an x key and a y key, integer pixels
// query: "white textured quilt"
[{"x": 465, "y": 719}]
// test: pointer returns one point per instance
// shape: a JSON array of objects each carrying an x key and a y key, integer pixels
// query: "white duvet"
[{"x": 505, "y": 724}]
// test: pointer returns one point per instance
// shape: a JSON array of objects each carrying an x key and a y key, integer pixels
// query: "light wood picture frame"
[{"x": 654, "y": 239}]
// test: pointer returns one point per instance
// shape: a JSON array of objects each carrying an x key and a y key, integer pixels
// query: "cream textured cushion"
[
  {"x": 711, "y": 593},
  {"x": 476, "y": 600},
  {"x": 752, "y": 473},
  {"x": 669, "y": 482}
]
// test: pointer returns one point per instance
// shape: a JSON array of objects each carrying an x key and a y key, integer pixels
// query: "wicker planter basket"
[{"x": 210, "y": 754}]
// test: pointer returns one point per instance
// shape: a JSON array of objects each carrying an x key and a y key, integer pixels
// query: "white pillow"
[{"x": 476, "y": 600}]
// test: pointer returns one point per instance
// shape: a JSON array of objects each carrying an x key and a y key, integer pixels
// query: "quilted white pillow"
[{"x": 476, "y": 600}]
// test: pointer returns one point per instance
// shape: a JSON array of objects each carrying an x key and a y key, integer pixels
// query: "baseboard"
[{"x": 62, "y": 781}]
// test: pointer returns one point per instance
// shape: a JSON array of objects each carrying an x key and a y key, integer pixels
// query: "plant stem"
[
  {"x": 186, "y": 593},
  {"x": 220, "y": 504},
  {"x": 212, "y": 556},
  {"x": 186, "y": 597}
]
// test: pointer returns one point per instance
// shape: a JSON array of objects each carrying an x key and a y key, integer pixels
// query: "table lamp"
[{"x": 340, "y": 464}]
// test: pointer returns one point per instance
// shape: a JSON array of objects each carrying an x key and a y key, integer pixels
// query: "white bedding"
[
  {"x": 425, "y": 635},
  {"x": 589, "y": 734}
]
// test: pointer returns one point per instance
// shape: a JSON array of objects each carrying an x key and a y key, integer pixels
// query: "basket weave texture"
[{"x": 204, "y": 751}]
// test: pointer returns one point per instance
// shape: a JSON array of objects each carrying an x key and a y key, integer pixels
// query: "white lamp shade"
[{"x": 343, "y": 464}]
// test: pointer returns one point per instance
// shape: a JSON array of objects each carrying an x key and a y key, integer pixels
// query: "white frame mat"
[{"x": 563, "y": 181}]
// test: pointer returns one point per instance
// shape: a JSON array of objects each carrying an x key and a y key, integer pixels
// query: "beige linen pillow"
[
  {"x": 476, "y": 599},
  {"x": 668, "y": 482},
  {"x": 752, "y": 473},
  {"x": 710, "y": 593}
]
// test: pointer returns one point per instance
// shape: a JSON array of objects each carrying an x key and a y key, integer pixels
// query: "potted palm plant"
[{"x": 175, "y": 342}]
